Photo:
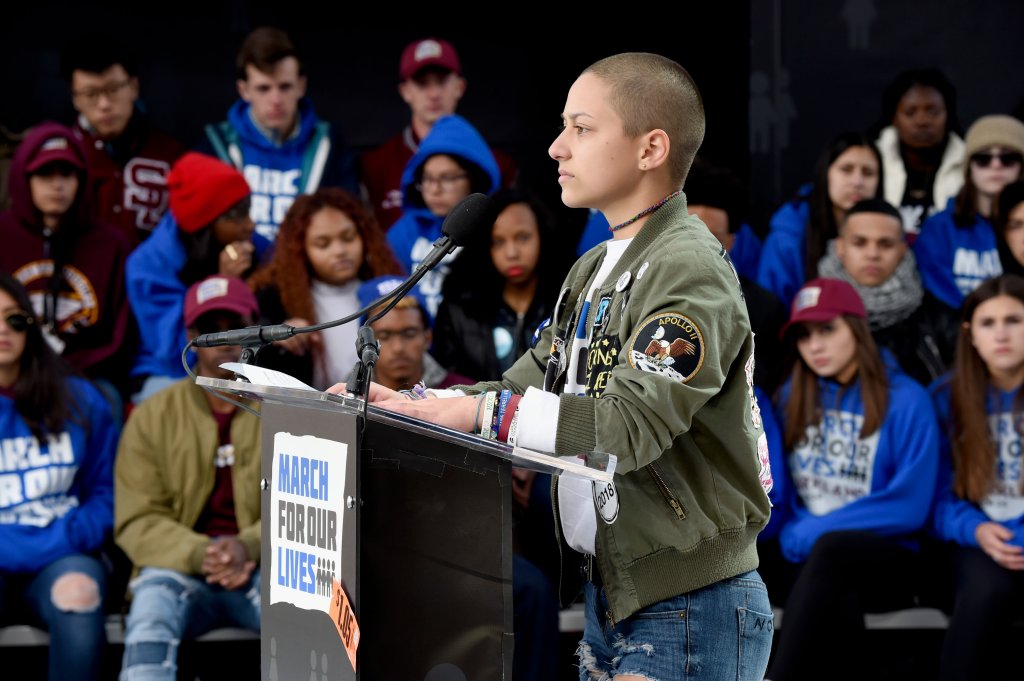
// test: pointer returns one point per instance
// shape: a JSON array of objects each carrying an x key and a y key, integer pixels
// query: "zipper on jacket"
[{"x": 666, "y": 492}]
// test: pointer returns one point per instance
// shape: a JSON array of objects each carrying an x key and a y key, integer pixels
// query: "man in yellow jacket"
[{"x": 187, "y": 505}]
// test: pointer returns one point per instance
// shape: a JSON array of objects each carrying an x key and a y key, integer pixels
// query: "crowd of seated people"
[{"x": 886, "y": 297}]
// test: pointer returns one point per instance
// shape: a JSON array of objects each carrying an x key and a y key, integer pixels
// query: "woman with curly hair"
[{"x": 327, "y": 245}]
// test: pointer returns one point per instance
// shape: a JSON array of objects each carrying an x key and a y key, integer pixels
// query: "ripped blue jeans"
[
  {"x": 77, "y": 635},
  {"x": 168, "y": 606},
  {"x": 718, "y": 633}
]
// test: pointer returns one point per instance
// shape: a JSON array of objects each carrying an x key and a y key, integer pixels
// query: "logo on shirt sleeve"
[{"x": 669, "y": 344}]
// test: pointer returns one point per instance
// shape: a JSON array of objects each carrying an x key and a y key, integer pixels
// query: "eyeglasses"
[
  {"x": 92, "y": 95},
  {"x": 445, "y": 182},
  {"x": 410, "y": 333},
  {"x": 1006, "y": 159},
  {"x": 18, "y": 321}
]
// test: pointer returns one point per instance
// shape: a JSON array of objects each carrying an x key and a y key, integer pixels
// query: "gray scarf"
[{"x": 890, "y": 302}]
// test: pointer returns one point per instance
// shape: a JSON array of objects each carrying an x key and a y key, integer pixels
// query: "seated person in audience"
[
  {"x": 871, "y": 255},
  {"x": 922, "y": 155},
  {"x": 327, "y": 246},
  {"x": 273, "y": 136},
  {"x": 861, "y": 450},
  {"x": 847, "y": 171},
  {"x": 717, "y": 197},
  {"x": 431, "y": 83},
  {"x": 206, "y": 231},
  {"x": 83, "y": 310},
  {"x": 1009, "y": 223},
  {"x": 739, "y": 238},
  {"x": 452, "y": 163},
  {"x": 57, "y": 499},
  {"x": 979, "y": 505},
  {"x": 957, "y": 249},
  {"x": 404, "y": 334},
  {"x": 129, "y": 158},
  {"x": 501, "y": 288},
  {"x": 187, "y": 499}
]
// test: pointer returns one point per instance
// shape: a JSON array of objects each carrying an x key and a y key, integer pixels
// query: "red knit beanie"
[{"x": 202, "y": 189}]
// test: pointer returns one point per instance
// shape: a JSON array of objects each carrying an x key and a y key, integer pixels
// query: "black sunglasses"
[
  {"x": 18, "y": 321},
  {"x": 1006, "y": 159}
]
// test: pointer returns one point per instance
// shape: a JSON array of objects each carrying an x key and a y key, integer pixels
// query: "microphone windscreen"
[{"x": 476, "y": 211}]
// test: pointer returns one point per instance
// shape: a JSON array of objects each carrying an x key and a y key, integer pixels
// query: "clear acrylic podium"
[{"x": 425, "y": 551}]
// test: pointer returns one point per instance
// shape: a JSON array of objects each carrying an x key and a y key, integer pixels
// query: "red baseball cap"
[
  {"x": 420, "y": 54},
  {"x": 822, "y": 300},
  {"x": 56, "y": 148},
  {"x": 219, "y": 293}
]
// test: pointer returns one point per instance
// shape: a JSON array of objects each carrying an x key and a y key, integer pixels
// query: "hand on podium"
[{"x": 458, "y": 413}]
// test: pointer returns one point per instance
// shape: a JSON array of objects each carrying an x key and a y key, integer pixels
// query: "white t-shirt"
[
  {"x": 538, "y": 414},
  {"x": 339, "y": 343}
]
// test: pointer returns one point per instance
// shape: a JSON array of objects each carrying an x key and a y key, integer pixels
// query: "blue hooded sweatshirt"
[
  {"x": 56, "y": 496},
  {"x": 836, "y": 480},
  {"x": 956, "y": 519},
  {"x": 954, "y": 260},
  {"x": 745, "y": 252},
  {"x": 157, "y": 297},
  {"x": 781, "y": 268},
  {"x": 278, "y": 171},
  {"x": 412, "y": 235}
]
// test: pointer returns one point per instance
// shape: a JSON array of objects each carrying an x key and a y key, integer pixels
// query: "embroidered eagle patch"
[{"x": 669, "y": 344}]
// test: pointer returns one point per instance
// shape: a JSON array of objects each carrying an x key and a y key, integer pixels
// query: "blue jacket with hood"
[
  {"x": 157, "y": 297},
  {"x": 412, "y": 235},
  {"x": 58, "y": 495},
  {"x": 835, "y": 480},
  {"x": 955, "y": 519},
  {"x": 954, "y": 260},
  {"x": 278, "y": 171},
  {"x": 781, "y": 268}
]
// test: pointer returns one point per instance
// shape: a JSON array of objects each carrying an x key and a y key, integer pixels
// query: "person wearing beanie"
[
  {"x": 431, "y": 83},
  {"x": 957, "y": 248},
  {"x": 858, "y": 469},
  {"x": 187, "y": 499},
  {"x": 207, "y": 230},
  {"x": 273, "y": 135},
  {"x": 51, "y": 228}
]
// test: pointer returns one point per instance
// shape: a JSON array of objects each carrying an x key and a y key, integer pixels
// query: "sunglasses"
[
  {"x": 18, "y": 321},
  {"x": 1006, "y": 159}
]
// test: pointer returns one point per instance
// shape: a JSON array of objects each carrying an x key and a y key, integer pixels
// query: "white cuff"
[{"x": 538, "y": 420}]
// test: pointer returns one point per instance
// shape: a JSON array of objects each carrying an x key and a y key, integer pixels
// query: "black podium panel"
[{"x": 436, "y": 559}]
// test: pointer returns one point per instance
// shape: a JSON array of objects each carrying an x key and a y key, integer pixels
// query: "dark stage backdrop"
[{"x": 518, "y": 67}]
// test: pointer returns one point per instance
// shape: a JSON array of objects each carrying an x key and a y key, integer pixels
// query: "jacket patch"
[
  {"x": 602, "y": 356},
  {"x": 606, "y": 500},
  {"x": 669, "y": 344}
]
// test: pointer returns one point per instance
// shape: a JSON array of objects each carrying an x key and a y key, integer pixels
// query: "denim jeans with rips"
[
  {"x": 723, "y": 631},
  {"x": 168, "y": 606},
  {"x": 78, "y": 636}
]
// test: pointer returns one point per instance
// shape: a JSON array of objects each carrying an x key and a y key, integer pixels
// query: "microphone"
[
  {"x": 250, "y": 335},
  {"x": 367, "y": 346},
  {"x": 458, "y": 227},
  {"x": 466, "y": 217}
]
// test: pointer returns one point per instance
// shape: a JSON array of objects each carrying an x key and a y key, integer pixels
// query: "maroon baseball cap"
[
  {"x": 219, "y": 293},
  {"x": 56, "y": 148},
  {"x": 428, "y": 52},
  {"x": 822, "y": 300}
]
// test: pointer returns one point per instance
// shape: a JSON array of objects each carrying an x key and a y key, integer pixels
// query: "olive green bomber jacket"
[
  {"x": 669, "y": 393},
  {"x": 165, "y": 473}
]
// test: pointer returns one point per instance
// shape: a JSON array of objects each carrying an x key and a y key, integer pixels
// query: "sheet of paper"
[{"x": 261, "y": 376}]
